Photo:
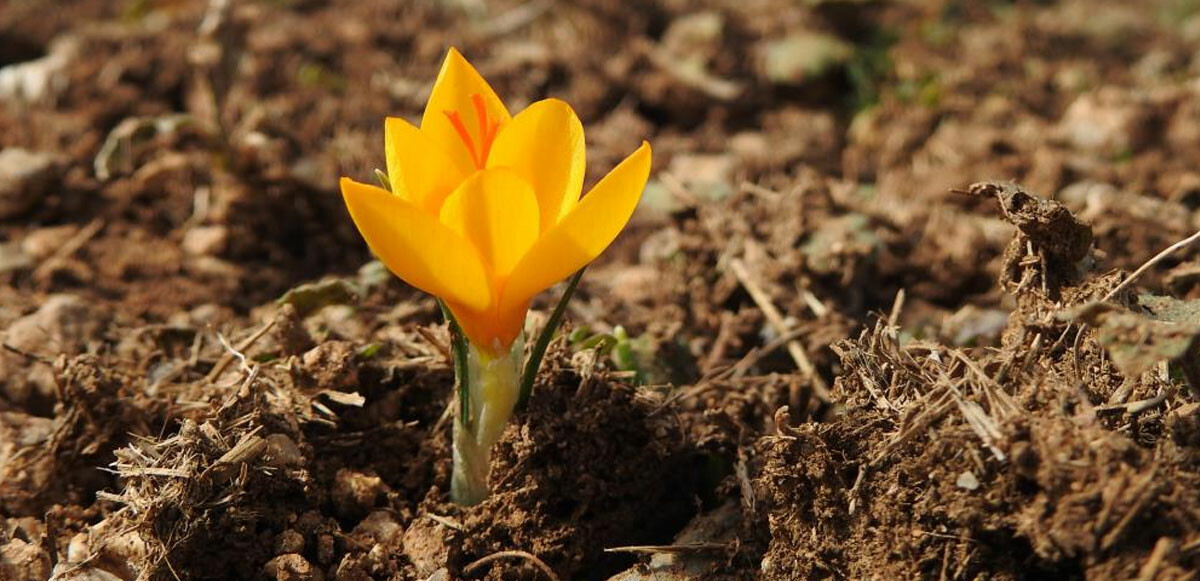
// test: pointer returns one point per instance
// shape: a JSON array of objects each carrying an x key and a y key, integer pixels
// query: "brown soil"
[{"x": 205, "y": 377}]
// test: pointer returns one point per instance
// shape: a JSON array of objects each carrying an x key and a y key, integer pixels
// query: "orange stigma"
[{"x": 487, "y": 127}]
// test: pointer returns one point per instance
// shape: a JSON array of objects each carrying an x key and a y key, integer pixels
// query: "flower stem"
[{"x": 492, "y": 385}]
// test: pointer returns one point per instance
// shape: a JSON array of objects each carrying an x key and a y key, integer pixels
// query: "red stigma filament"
[{"x": 487, "y": 127}]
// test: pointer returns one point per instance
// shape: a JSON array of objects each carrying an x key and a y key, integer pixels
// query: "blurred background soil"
[{"x": 838, "y": 340}]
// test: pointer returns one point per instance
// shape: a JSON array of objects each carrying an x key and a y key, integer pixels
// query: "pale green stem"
[{"x": 493, "y": 386}]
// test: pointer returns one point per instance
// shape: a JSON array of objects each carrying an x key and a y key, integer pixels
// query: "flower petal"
[
  {"x": 544, "y": 143},
  {"x": 418, "y": 167},
  {"x": 584, "y": 233},
  {"x": 452, "y": 93},
  {"x": 497, "y": 211},
  {"x": 416, "y": 247},
  {"x": 493, "y": 330}
]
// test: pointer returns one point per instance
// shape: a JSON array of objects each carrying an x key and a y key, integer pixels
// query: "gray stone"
[{"x": 25, "y": 178}]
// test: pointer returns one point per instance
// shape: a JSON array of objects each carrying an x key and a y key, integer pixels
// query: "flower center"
[{"x": 487, "y": 129}]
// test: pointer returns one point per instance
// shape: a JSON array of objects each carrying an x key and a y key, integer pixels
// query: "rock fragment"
[{"x": 25, "y": 178}]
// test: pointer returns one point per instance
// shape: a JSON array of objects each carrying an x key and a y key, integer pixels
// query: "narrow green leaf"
[
  {"x": 383, "y": 180},
  {"x": 458, "y": 344},
  {"x": 539, "y": 348}
]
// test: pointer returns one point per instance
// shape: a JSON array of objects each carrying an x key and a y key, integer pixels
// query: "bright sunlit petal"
[
  {"x": 582, "y": 234},
  {"x": 497, "y": 211},
  {"x": 418, "y": 167},
  {"x": 454, "y": 97},
  {"x": 416, "y": 247},
  {"x": 544, "y": 143}
]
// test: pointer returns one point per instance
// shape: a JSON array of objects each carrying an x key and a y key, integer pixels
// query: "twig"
[
  {"x": 775, "y": 318},
  {"x": 733, "y": 371},
  {"x": 852, "y": 494},
  {"x": 815, "y": 305},
  {"x": 762, "y": 192},
  {"x": 897, "y": 307},
  {"x": 944, "y": 536},
  {"x": 26, "y": 354},
  {"x": 1150, "y": 263},
  {"x": 446, "y": 415},
  {"x": 716, "y": 87},
  {"x": 676, "y": 188},
  {"x": 68, "y": 248},
  {"x": 428, "y": 336},
  {"x": 444, "y": 521},
  {"x": 1162, "y": 549},
  {"x": 229, "y": 355},
  {"x": 471, "y": 568},
  {"x": 1142, "y": 492},
  {"x": 1190, "y": 546},
  {"x": 516, "y": 18},
  {"x": 1139, "y": 406},
  {"x": 680, "y": 548},
  {"x": 717, "y": 352},
  {"x": 755, "y": 355},
  {"x": 241, "y": 357}
]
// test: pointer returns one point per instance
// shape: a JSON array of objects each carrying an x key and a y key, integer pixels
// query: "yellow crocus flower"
[{"x": 485, "y": 210}]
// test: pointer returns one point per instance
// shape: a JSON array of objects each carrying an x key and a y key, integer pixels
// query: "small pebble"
[
  {"x": 292, "y": 567},
  {"x": 355, "y": 493},
  {"x": 25, "y": 178},
  {"x": 967, "y": 481},
  {"x": 289, "y": 541}
]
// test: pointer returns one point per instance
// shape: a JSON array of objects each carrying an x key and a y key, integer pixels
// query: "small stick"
[
  {"x": 1143, "y": 495},
  {"x": 724, "y": 335},
  {"x": 446, "y": 415},
  {"x": 228, "y": 356},
  {"x": 775, "y": 318},
  {"x": 516, "y": 18},
  {"x": 897, "y": 307},
  {"x": 26, "y": 354},
  {"x": 753, "y": 188},
  {"x": 680, "y": 548},
  {"x": 944, "y": 536},
  {"x": 1150, "y": 263},
  {"x": 1139, "y": 406},
  {"x": 716, "y": 87},
  {"x": 1162, "y": 549},
  {"x": 428, "y": 336},
  {"x": 755, "y": 355},
  {"x": 511, "y": 555},
  {"x": 678, "y": 190},
  {"x": 852, "y": 494},
  {"x": 68, "y": 248},
  {"x": 815, "y": 305},
  {"x": 735, "y": 371},
  {"x": 444, "y": 521}
]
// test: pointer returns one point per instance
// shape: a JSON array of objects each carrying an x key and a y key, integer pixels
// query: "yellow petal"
[
  {"x": 584, "y": 233},
  {"x": 544, "y": 143},
  {"x": 453, "y": 93},
  {"x": 497, "y": 211},
  {"x": 416, "y": 247},
  {"x": 418, "y": 167},
  {"x": 492, "y": 330}
]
